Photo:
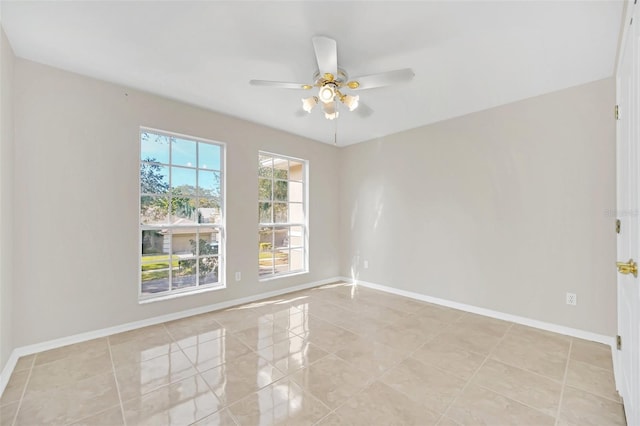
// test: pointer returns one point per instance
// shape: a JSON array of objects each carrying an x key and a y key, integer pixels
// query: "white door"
[{"x": 628, "y": 186}]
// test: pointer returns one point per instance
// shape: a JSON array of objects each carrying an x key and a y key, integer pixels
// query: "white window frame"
[
  {"x": 304, "y": 224},
  {"x": 221, "y": 227}
]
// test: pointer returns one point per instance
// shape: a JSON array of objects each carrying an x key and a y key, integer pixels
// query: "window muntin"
[
  {"x": 282, "y": 199},
  {"x": 181, "y": 214}
]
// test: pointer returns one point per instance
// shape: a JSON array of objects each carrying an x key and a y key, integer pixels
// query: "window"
[
  {"x": 181, "y": 214},
  {"x": 282, "y": 207}
]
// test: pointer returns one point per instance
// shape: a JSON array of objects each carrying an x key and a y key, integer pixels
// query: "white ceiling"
[{"x": 467, "y": 56}]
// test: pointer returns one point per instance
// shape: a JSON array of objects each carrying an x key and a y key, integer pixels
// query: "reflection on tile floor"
[{"x": 334, "y": 355}]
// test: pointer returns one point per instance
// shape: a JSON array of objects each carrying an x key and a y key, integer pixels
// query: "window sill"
[
  {"x": 275, "y": 277},
  {"x": 151, "y": 299}
]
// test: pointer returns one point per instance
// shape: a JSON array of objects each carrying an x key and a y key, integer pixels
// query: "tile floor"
[{"x": 334, "y": 355}]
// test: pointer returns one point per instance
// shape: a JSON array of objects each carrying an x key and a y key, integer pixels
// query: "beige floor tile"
[
  {"x": 449, "y": 357},
  {"x": 399, "y": 303},
  {"x": 539, "y": 352},
  {"x": 62, "y": 405},
  {"x": 89, "y": 349},
  {"x": 109, "y": 417},
  {"x": 135, "y": 380},
  {"x": 363, "y": 325},
  {"x": 241, "y": 377},
  {"x": 581, "y": 408},
  {"x": 592, "y": 353},
  {"x": 428, "y": 326},
  {"x": 331, "y": 380},
  {"x": 25, "y": 362},
  {"x": 371, "y": 356},
  {"x": 429, "y": 386},
  {"x": 262, "y": 336},
  {"x": 193, "y": 330},
  {"x": 528, "y": 388},
  {"x": 469, "y": 337},
  {"x": 66, "y": 371},
  {"x": 332, "y": 420},
  {"x": 447, "y": 421},
  {"x": 180, "y": 403},
  {"x": 213, "y": 353},
  {"x": 291, "y": 355},
  {"x": 592, "y": 379},
  {"x": 221, "y": 418},
  {"x": 483, "y": 325},
  {"x": 402, "y": 338},
  {"x": 326, "y": 336},
  {"x": 14, "y": 389},
  {"x": 380, "y": 404},
  {"x": 479, "y": 406},
  {"x": 8, "y": 413},
  {"x": 439, "y": 313},
  {"x": 154, "y": 332},
  {"x": 283, "y": 402},
  {"x": 237, "y": 319},
  {"x": 140, "y": 345}
]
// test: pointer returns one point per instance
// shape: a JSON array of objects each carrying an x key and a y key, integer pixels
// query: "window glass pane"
[
  {"x": 154, "y": 147},
  {"x": 208, "y": 269},
  {"x": 209, "y": 211},
  {"x": 154, "y": 210},
  {"x": 153, "y": 243},
  {"x": 296, "y": 193},
  {"x": 265, "y": 166},
  {"x": 183, "y": 152},
  {"x": 154, "y": 179},
  {"x": 209, "y": 241},
  {"x": 209, "y": 156},
  {"x": 296, "y": 260},
  {"x": 280, "y": 168},
  {"x": 282, "y": 260},
  {"x": 184, "y": 274},
  {"x": 296, "y": 213},
  {"x": 265, "y": 212},
  {"x": 280, "y": 190},
  {"x": 281, "y": 236},
  {"x": 208, "y": 183},
  {"x": 264, "y": 189},
  {"x": 280, "y": 212},
  {"x": 265, "y": 256},
  {"x": 183, "y": 242},
  {"x": 155, "y": 262},
  {"x": 154, "y": 280},
  {"x": 296, "y": 236},
  {"x": 296, "y": 170},
  {"x": 183, "y": 211},
  {"x": 183, "y": 181}
]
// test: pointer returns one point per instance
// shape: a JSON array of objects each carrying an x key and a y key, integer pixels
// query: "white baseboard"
[
  {"x": 83, "y": 337},
  {"x": 560, "y": 329}
]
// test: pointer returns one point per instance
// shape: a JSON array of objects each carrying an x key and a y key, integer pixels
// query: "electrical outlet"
[
  {"x": 238, "y": 276},
  {"x": 366, "y": 264},
  {"x": 572, "y": 299}
]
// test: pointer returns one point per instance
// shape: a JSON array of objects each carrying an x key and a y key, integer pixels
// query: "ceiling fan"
[{"x": 331, "y": 81}]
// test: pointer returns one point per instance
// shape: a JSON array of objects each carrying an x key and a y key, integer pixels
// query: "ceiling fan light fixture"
[
  {"x": 326, "y": 93},
  {"x": 350, "y": 101},
  {"x": 309, "y": 103},
  {"x": 330, "y": 111}
]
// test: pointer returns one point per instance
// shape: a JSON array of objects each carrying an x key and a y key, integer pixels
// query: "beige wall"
[
  {"x": 6, "y": 196},
  {"x": 502, "y": 209},
  {"x": 76, "y": 201}
]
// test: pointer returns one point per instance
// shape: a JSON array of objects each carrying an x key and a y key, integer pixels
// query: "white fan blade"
[
  {"x": 280, "y": 84},
  {"x": 382, "y": 79},
  {"x": 326, "y": 54}
]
